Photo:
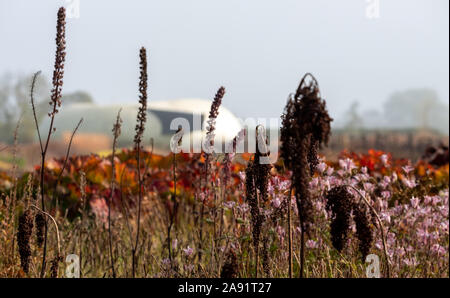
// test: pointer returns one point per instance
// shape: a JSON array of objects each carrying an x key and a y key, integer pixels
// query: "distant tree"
[
  {"x": 353, "y": 119},
  {"x": 15, "y": 105},
  {"x": 416, "y": 108}
]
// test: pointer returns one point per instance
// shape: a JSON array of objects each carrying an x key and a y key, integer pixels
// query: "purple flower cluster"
[{"x": 415, "y": 216}]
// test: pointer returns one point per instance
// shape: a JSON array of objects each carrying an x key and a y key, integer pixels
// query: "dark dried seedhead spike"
[
  {"x": 266, "y": 258},
  {"x": 231, "y": 267},
  {"x": 364, "y": 232},
  {"x": 142, "y": 112},
  {"x": 23, "y": 238},
  {"x": 339, "y": 202},
  {"x": 39, "y": 220},
  {"x": 313, "y": 159},
  {"x": 252, "y": 200},
  {"x": 305, "y": 127},
  {"x": 60, "y": 57},
  {"x": 55, "y": 266},
  {"x": 214, "y": 111}
]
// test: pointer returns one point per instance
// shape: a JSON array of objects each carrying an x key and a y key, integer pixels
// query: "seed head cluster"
[
  {"x": 39, "y": 220},
  {"x": 305, "y": 127},
  {"x": 257, "y": 180},
  {"x": 142, "y": 112},
  {"x": 231, "y": 268},
  {"x": 55, "y": 266},
  {"x": 23, "y": 238},
  {"x": 266, "y": 257},
  {"x": 58, "y": 71},
  {"x": 339, "y": 202},
  {"x": 213, "y": 113},
  {"x": 364, "y": 233}
]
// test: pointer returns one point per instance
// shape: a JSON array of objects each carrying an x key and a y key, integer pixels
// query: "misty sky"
[{"x": 257, "y": 49}]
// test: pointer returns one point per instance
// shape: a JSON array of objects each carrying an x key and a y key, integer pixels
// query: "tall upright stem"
[
  {"x": 302, "y": 249},
  {"x": 202, "y": 210},
  {"x": 290, "y": 232},
  {"x": 138, "y": 223}
]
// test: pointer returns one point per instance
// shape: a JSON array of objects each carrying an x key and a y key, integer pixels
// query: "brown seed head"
[
  {"x": 23, "y": 238},
  {"x": 339, "y": 202},
  {"x": 60, "y": 57},
  {"x": 142, "y": 113}
]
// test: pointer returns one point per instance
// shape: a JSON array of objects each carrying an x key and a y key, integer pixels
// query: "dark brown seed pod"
[
  {"x": 265, "y": 258},
  {"x": 339, "y": 202},
  {"x": 23, "y": 238},
  {"x": 231, "y": 268},
  {"x": 39, "y": 220},
  {"x": 313, "y": 160},
  {"x": 364, "y": 233},
  {"x": 55, "y": 266}
]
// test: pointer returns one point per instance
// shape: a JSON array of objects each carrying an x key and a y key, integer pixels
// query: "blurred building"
[{"x": 95, "y": 133}]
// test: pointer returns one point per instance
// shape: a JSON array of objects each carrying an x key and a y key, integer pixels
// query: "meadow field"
[{"x": 136, "y": 213}]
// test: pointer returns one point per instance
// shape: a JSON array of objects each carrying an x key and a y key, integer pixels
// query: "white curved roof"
[{"x": 100, "y": 118}]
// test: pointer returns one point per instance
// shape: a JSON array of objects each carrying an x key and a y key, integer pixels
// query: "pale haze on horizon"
[{"x": 257, "y": 49}]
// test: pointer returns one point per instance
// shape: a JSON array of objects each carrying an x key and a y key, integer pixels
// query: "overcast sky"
[{"x": 257, "y": 49}]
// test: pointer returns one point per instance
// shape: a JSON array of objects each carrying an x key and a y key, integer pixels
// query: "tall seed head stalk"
[
  {"x": 60, "y": 57},
  {"x": 257, "y": 178},
  {"x": 208, "y": 150},
  {"x": 140, "y": 127},
  {"x": 305, "y": 127},
  {"x": 55, "y": 103},
  {"x": 142, "y": 112},
  {"x": 116, "y": 133}
]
